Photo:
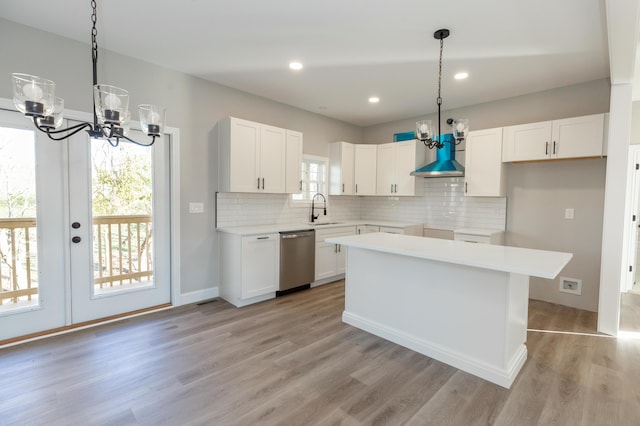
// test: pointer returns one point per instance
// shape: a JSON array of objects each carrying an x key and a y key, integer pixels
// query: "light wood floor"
[{"x": 292, "y": 361}]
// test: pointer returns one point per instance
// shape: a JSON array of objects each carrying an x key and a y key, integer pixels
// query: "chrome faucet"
[{"x": 313, "y": 206}]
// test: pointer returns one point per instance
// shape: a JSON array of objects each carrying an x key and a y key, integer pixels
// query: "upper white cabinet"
[
  {"x": 341, "y": 168},
  {"x": 365, "y": 169},
  {"x": 293, "y": 160},
  {"x": 567, "y": 138},
  {"x": 253, "y": 157},
  {"x": 484, "y": 169},
  {"x": 395, "y": 162}
]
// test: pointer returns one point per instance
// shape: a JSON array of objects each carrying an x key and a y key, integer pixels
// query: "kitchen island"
[{"x": 461, "y": 303}]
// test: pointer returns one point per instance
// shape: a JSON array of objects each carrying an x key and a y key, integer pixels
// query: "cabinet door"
[
  {"x": 348, "y": 163},
  {"x": 272, "y": 159},
  {"x": 484, "y": 169},
  {"x": 385, "y": 169},
  {"x": 341, "y": 164},
  {"x": 405, "y": 164},
  {"x": 325, "y": 260},
  {"x": 293, "y": 173},
  {"x": 244, "y": 156},
  {"x": 578, "y": 137},
  {"x": 260, "y": 265},
  {"x": 527, "y": 142},
  {"x": 365, "y": 169}
]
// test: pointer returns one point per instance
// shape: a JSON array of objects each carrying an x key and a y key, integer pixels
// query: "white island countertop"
[{"x": 537, "y": 263}]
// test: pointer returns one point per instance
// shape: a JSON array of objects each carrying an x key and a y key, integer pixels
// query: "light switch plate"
[
  {"x": 196, "y": 207},
  {"x": 568, "y": 213}
]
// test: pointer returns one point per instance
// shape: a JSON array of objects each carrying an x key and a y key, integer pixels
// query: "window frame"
[{"x": 323, "y": 185}]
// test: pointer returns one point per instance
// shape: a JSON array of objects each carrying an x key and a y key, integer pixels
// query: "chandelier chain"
[
  {"x": 94, "y": 31},
  {"x": 440, "y": 73}
]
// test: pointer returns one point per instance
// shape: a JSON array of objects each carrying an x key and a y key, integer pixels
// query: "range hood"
[{"x": 445, "y": 164}]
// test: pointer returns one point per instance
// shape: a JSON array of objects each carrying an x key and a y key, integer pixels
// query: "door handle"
[{"x": 76, "y": 239}]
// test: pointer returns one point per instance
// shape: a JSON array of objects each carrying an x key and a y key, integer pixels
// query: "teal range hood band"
[{"x": 445, "y": 164}]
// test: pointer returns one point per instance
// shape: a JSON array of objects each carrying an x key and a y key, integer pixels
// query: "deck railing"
[
  {"x": 122, "y": 251},
  {"x": 122, "y": 255},
  {"x": 18, "y": 260}
]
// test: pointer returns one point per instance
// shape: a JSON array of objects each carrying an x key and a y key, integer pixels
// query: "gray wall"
[
  {"x": 194, "y": 106},
  {"x": 538, "y": 193}
]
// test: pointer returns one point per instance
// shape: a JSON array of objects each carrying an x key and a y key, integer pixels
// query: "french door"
[{"x": 95, "y": 244}]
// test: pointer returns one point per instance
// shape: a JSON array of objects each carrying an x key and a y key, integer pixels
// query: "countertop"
[
  {"x": 533, "y": 262},
  {"x": 269, "y": 229}
]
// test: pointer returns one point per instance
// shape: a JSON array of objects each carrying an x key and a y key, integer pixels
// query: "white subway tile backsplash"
[{"x": 443, "y": 205}]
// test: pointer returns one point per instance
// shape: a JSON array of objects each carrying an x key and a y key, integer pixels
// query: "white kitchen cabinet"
[
  {"x": 252, "y": 156},
  {"x": 482, "y": 236},
  {"x": 249, "y": 267},
  {"x": 293, "y": 173},
  {"x": 365, "y": 169},
  {"x": 566, "y": 138},
  {"x": 330, "y": 258},
  {"x": 341, "y": 168},
  {"x": 395, "y": 162},
  {"x": 371, "y": 228},
  {"x": 484, "y": 174}
]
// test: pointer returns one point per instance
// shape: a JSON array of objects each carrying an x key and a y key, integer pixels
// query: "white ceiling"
[{"x": 351, "y": 49}]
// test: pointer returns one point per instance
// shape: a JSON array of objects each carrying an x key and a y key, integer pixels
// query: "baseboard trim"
[
  {"x": 199, "y": 296},
  {"x": 503, "y": 377}
]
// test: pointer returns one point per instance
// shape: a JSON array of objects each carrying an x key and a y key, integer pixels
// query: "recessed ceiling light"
[
  {"x": 461, "y": 75},
  {"x": 296, "y": 66},
  {"x": 374, "y": 100}
]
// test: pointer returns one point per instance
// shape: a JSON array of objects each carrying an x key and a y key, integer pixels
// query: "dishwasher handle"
[{"x": 290, "y": 236}]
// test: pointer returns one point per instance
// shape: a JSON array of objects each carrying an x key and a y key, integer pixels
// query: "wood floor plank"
[{"x": 292, "y": 361}]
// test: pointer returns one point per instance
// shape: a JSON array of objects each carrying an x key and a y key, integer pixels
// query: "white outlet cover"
[
  {"x": 196, "y": 207},
  {"x": 569, "y": 213},
  {"x": 570, "y": 285}
]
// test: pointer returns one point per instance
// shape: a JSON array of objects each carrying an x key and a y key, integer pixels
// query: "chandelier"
[
  {"x": 459, "y": 128},
  {"x": 35, "y": 98}
]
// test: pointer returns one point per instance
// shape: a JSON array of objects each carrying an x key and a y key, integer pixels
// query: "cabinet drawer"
[{"x": 322, "y": 234}]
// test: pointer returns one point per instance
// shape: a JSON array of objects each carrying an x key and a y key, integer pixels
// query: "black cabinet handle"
[
  {"x": 262, "y": 183},
  {"x": 554, "y": 147},
  {"x": 258, "y": 183},
  {"x": 546, "y": 148}
]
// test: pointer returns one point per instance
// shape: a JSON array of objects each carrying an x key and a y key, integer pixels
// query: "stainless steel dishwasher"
[{"x": 297, "y": 260}]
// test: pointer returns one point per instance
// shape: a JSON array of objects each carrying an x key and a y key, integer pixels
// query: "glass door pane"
[
  {"x": 18, "y": 232},
  {"x": 122, "y": 207}
]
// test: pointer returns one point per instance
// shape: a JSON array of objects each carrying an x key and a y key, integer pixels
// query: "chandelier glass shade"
[{"x": 35, "y": 98}]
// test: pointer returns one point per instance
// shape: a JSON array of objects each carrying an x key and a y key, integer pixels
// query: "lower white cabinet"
[
  {"x": 330, "y": 258},
  {"x": 249, "y": 267}
]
